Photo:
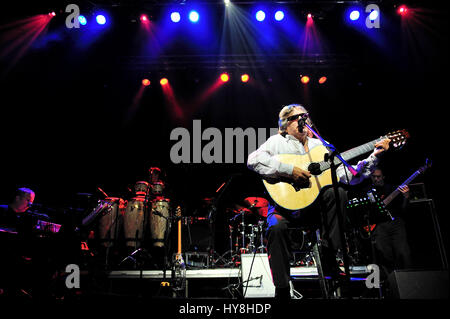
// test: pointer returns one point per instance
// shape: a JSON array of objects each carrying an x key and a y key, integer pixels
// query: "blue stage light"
[
  {"x": 354, "y": 15},
  {"x": 279, "y": 15},
  {"x": 175, "y": 16},
  {"x": 100, "y": 18},
  {"x": 82, "y": 20},
  {"x": 194, "y": 16},
  {"x": 260, "y": 15}
]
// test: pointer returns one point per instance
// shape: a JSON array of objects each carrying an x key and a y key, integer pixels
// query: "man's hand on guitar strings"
[{"x": 300, "y": 175}]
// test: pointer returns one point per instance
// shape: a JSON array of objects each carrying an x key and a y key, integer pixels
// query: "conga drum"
[
  {"x": 141, "y": 188},
  {"x": 111, "y": 220},
  {"x": 158, "y": 188},
  {"x": 133, "y": 222},
  {"x": 159, "y": 221}
]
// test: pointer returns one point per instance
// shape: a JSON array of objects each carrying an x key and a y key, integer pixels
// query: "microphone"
[{"x": 301, "y": 121}]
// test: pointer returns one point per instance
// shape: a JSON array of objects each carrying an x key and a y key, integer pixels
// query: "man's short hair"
[{"x": 22, "y": 191}]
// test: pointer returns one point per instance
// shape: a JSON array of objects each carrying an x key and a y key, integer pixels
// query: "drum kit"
[{"x": 247, "y": 226}]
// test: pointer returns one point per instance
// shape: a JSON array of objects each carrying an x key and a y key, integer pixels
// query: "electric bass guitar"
[
  {"x": 294, "y": 195},
  {"x": 394, "y": 194}
]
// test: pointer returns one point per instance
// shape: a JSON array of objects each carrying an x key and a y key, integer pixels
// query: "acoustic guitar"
[{"x": 294, "y": 195}]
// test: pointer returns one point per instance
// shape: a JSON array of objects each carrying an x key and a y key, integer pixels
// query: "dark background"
[{"x": 68, "y": 126}]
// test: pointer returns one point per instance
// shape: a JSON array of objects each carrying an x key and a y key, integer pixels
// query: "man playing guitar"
[{"x": 294, "y": 140}]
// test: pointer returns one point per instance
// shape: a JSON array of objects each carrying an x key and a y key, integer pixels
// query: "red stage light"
[
  {"x": 144, "y": 18},
  {"x": 304, "y": 79},
  {"x": 402, "y": 10},
  {"x": 245, "y": 78},
  {"x": 164, "y": 81},
  {"x": 309, "y": 16},
  {"x": 322, "y": 80},
  {"x": 145, "y": 82},
  {"x": 224, "y": 77},
  {"x": 53, "y": 13}
]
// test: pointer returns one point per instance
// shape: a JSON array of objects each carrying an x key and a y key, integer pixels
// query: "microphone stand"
[
  {"x": 212, "y": 216},
  {"x": 330, "y": 157}
]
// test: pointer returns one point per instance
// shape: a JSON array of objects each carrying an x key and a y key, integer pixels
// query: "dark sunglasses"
[{"x": 295, "y": 117}]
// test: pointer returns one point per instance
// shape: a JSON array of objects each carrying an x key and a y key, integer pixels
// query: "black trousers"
[
  {"x": 391, "y": 245},
  {"x": 322, "y": 212}
]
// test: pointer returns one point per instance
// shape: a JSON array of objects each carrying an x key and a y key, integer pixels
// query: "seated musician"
[
  {"x": 292, "y": 140},
  {"x": 16, "y": 227}
]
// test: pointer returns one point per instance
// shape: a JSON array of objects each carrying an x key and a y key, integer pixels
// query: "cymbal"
[
  {"x": 261, "y": 205},
  {"x": 239, "y": 211},
  {"x": 258, "y": 202}
]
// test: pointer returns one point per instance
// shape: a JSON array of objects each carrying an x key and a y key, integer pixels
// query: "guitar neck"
[
  {"x": 352, "y": 153},
  {"x": 395, "y": 193}
]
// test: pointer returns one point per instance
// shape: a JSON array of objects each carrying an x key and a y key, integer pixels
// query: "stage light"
[
  {"x": 194, "y": 16},
  {"x": 304, "y": 79},
  {"x": 226, "y": 2},
  {"x": 373, "y": 15},
  {"x": 402, "y": 10},
  {"x": 260, "y": 15},
  {"x": 52, "y": 14},
  {"x": 354, "y": 15},
  {"x": 224, "y": 77},
  {"x": 279, "y": 15},
  {"x": 101, "y": 19},
  {"x": 322, "y": 80},
  {"x": 309, "y": 16},
  {"x": 175, "y": 17},
  {"x": 164, "y": 81},
  {"x": 82, "y": 20},
  {"x": 145, "y": 82},
  {"x": 144, "y": 18},
  {"x": 245, "y": 78}
]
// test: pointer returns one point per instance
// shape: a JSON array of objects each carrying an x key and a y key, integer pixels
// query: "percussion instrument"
[
  {"x": 154, "y": 173},
  {"x": 133, "y": 222},
  {"x": 141, "y": 188},
  {"x": 111, "y": 220},
  {"x": 159, "y": 220},
  {"x": 158, "y": 188}
]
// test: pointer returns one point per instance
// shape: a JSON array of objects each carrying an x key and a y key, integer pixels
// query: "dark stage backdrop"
[{"x": 69, "y": 125}]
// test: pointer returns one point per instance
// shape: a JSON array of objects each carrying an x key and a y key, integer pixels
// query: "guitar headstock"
[{"x": 398, "y": 138}]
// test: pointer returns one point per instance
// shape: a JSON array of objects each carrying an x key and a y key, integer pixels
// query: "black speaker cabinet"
[
  {"x": 424, "y": 236},
  {"x": 414, "y": 284}
]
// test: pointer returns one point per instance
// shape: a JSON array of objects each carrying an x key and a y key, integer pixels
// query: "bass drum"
[
  {"x": 111, "y": 221},
  {"x": 133, "y": 222},
  {"x": 160, "y": 221}
]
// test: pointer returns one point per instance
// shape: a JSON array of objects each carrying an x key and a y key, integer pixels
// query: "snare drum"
[
  {"x": 158, "y": 188},
  {"x": 159, "y": 221},
  {"x": 111, "y": 221},
  {"x": 133, "y": 222},
  {"x": 141, "y": 188}
]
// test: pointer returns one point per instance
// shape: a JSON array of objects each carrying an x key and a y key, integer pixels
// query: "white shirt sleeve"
[{"x": 264, "y": 162}]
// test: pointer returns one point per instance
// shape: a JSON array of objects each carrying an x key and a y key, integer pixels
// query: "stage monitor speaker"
[
  {"x": 259, "y": 284},
  {"x": 425, "y": 284}
]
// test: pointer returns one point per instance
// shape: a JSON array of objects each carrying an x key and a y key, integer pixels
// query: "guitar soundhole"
[{"x": 301, "y": 185}]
